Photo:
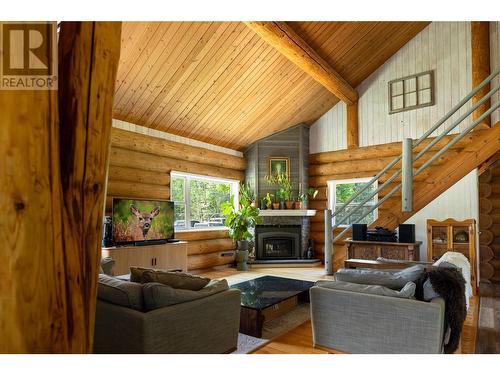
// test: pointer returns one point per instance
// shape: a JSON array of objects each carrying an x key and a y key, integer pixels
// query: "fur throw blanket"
[{"x": 449, "y": 284}]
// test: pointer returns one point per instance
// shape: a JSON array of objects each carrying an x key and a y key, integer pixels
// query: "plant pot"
[
  {"x": 242, "y": 245},
  {"x": 276, "y": 206},
  {"x": 300, "y": 205},
  {"x": 289, "y": 205},
  {"x": 262, "y": 206},
  {"x": 282, "y": 205},
  {"x": 241, "y": 260},
  {"x": 254, "y": 204}
]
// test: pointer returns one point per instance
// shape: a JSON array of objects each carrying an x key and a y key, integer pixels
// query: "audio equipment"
[
  {"x": 359, "y": 232},
  {"x": 406, "y": 233}
]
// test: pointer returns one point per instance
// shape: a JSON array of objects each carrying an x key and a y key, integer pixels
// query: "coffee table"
[{"x": 266, "y": 298}]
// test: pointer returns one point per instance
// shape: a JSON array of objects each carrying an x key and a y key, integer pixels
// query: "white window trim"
[
  {"x": 331, "y": 186},
  {"x": 234, "y": 192}
]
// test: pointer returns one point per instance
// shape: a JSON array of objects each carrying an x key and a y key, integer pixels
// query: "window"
[
  {"x": 197, "y": 200},
  {"x": 339, "y": 192},
  {"x": 411, "y": 92}
]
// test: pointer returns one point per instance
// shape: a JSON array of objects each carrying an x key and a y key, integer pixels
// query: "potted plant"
[
  {"x": 280, "y": 199},
  {"x": 268, "y": 200},
  {"x": 304, "y": 197},
  {"x": 248, "y": 194},
  {"x": 240, "y": 222}
]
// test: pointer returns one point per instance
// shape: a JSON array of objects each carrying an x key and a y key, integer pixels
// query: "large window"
[
  {"x": 197, "y": 200},
  {"x": 339, "y": 192}
]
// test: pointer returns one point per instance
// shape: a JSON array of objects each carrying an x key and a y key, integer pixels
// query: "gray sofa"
[
  {"x": 204, "y": 325},
  {"x": 371, "y": 319}
]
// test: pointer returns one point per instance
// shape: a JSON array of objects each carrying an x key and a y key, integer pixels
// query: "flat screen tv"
[{"x": 137, "y": 220}]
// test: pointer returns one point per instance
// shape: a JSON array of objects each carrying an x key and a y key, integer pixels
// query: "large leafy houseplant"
[{"x": 241, "y": 220}]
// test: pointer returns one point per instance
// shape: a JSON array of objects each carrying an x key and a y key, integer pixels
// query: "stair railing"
[{"x": 339, "y": 221}]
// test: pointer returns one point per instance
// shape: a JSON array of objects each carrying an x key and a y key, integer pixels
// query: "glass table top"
[{"x": 266, "y": 291}]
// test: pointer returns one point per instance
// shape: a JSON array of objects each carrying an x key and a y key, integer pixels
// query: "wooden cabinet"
[
  {"x": 371, "y": 250},
  {"x": 162, "y": 256},
  {"x": 453, "y": 235}
]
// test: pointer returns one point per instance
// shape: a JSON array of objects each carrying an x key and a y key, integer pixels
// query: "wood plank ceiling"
[{"x": 220, "y": 83}]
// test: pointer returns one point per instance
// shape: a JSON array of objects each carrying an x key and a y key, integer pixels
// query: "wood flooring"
[
  {"x": 488, "y": 332},
  {"x": 299, "y": 340}
]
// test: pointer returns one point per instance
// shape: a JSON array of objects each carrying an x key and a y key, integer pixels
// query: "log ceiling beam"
[
  {"x": 480, "y": 51},
  {"x": 352, "y": 126},
  {"x": 286, "y": 41}
]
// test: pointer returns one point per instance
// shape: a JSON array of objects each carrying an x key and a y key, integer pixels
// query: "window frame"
[
  {"x": 234, "y": 184},
  {"x": 417, "y": 91},
  {"x": 332, "y": 195}
]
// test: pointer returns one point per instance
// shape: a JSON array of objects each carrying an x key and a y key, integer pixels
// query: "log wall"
[
  {"x": 489, "y": 224},
  {"x": 140, "y": 168}
]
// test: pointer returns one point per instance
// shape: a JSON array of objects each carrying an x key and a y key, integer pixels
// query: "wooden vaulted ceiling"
[{"x": 219, "y": 82}]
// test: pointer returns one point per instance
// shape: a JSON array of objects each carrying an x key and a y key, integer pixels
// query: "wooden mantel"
[
  {"x": 284, "y": 39},
  {"x": 289, "y": 213}
]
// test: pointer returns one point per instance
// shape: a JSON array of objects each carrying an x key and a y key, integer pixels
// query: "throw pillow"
[
  {"x": 177, "y": 280},
  {"x": 137, "y": 272},
  {"x": 408, "y": 291},
  {"x": 118, "y": 292},
  {"x": 387, "y": 278},
  {"x": 158, "y": 295},
  {"x": 107, "y": 265}
]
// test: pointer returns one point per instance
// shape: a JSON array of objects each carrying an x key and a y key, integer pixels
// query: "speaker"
[
  {"x": 406, "y": 233},
  {"x": 107, "y": 232},
  {"x": 359, "y": 232}
]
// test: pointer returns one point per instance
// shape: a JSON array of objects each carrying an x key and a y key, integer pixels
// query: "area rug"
[{"x": 273, "y": 329}]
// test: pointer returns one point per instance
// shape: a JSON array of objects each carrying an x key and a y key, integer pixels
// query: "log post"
[
  {"x": 54, "y": 150},
  {"x": 480, "y": 49},
  {"x": 352, "y": 125}
]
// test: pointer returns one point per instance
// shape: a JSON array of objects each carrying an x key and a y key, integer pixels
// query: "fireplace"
[{"x": 274, "y": 242}]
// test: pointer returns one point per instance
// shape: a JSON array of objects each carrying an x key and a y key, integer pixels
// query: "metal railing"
[{"x": 340, "y": 220}]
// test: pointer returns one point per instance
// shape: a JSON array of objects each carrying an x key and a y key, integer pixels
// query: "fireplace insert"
[{"x": 277, "y": 242}]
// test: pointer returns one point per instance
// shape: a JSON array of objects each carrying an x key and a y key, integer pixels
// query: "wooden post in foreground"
[
  {"x": 352, "y": 125},
  {"x": 54, "y": 150},
  {"x": 480, "y": 48}
]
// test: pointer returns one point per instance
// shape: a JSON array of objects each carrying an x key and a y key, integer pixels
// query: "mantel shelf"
[{"x": 287, "y": 212}]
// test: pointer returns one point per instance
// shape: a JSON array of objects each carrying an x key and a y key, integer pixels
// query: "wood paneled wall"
[
  {"x": 489, "y": 224},
  {"x": 443, "y": 47},
  {"x": 357, "y": 163},
  {"x": 140, "y": 167}
]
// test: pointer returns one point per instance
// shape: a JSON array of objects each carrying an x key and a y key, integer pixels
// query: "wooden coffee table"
[{"x": 265, "y": 298}]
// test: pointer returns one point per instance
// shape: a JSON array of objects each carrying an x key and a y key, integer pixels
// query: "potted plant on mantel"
[
  {"x": 304, "y": 197},
  {"x": 240, "y": 221},
  {"x": 284, "y": 193}
]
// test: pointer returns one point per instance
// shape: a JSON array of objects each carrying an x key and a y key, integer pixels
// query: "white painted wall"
[
  {"x": 459, "y": 202},
  {"x": 443, "y": 47},
  {"x": 495, "y": 63}
]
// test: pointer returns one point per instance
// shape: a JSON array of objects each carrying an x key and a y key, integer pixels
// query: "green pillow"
[
  {"x": 177, "y": 280},
  {"x": 137, "y": 272}
]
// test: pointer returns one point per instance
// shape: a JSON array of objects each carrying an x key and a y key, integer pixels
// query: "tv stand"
[
  {"x": 166, "y": 256},
  {"x": 150, "y": 242}
]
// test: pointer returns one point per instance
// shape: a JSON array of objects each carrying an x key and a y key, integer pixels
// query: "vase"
[
  {"x": 276, "y": 206},
  {"x": 289, "y": 205},
  {"x": 242, "y": 255}
]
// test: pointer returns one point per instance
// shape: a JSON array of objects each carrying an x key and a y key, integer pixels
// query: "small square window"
[{"x": 411, "y": 92}]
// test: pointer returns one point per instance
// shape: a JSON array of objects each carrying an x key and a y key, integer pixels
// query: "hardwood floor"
[
  {"x": 299, "y": 340},
  {"x": 488, "y": 333}
]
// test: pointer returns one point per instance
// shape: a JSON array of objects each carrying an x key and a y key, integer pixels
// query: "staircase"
[{"x": 437, "y": 165}]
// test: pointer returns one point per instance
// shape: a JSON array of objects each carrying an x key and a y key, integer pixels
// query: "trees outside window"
[
  {"x": 340, "y": 191},
  {"x": 198, "y": 200}
]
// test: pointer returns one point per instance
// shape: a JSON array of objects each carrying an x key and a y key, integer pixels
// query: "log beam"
[
  {"x": 352, "y": 126},
  {"x": 55, "y": 166},
  {"x": 480, "y": 50},
  {"x": 286, "y": 41}
]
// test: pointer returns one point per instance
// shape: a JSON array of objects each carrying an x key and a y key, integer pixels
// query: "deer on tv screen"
[{"x": 142, "y": 220}]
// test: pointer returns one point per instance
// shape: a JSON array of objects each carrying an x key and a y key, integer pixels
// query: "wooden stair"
[{"x": 470, "y": 153}]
